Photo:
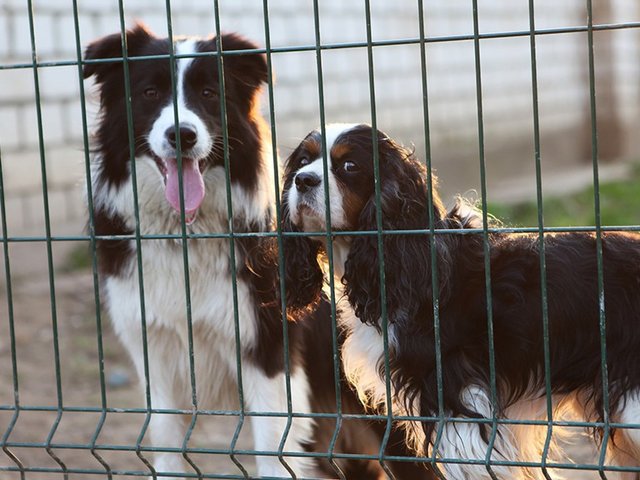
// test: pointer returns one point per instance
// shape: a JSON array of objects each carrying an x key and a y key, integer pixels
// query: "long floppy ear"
[
  {"x": 407, "y": 257},
  {"x": 111, "y": 47},
  {"x": 303, "y": 276},
  {"x": 247, "y": 72}
]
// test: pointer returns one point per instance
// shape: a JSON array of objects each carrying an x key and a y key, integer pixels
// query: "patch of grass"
[
  {"x": 619, "y": 205},
  {"x": 79, "y": 258}
]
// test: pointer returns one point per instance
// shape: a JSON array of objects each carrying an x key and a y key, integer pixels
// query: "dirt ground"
[{"x": 79, "y": 382}]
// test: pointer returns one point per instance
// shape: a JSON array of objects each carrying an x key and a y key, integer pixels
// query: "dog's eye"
[
  {"x": 350, "y": 167},
  {"x": 151, "y": 93},
  {"x": 208, "y": 93},
  {"x": 304, "y": 161}
]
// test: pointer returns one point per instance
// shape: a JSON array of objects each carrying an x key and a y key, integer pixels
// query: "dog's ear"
[
  {"x": 407, "y": 256},
  {"x": 111, "y": 47},
  {"x": 303, "y": 277},
  {"x": 247, "y": 71}
]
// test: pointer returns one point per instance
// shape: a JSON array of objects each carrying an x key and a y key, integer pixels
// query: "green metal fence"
[{"x": 19, "y": 468}]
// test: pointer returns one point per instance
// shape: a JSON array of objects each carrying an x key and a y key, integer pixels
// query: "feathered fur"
[{"x": 461, "y": 299}]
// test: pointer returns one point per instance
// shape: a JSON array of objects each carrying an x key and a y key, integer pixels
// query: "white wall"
[{"x": 506, "y": 78}]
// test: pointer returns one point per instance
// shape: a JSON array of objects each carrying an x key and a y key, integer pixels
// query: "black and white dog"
[
  {"x": 204, "y": 201},
  {"x": 572, "y": 301}
]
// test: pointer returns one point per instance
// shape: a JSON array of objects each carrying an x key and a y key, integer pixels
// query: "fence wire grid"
[{"x": 18, "y": 452}]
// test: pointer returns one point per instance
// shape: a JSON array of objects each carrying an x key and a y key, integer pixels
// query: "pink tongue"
[{"x": 192, "y": 185}]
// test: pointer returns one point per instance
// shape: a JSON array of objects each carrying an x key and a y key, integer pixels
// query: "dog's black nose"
[
  {"x": 306, "y": 180},
  {"x": 188, "y": 136}
]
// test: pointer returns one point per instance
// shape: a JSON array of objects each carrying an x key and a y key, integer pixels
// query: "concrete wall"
[{"x": 506, "y": 79}]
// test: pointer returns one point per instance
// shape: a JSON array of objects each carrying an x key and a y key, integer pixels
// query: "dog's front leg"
[
  {"x": 167, "y": 430},
  {"x": 167, "y": 359},
  {"x": 266, "y": 394}
]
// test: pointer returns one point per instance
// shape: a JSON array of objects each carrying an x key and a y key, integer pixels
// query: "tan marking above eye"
[
  {"x": 312, "y": 146},
  {"x": 339, "y": 150}
]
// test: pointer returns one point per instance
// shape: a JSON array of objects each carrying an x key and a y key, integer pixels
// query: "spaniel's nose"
[{"x": 306, "y": 180}]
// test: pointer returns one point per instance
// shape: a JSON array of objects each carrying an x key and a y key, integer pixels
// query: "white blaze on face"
[
  {"x": 308, "y": 210},
  {"x": 192, "y": 181}
]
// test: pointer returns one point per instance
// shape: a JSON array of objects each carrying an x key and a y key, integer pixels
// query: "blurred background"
[
  {"x": 507, "y": 100},
  {"x": 563, "y": 86}
]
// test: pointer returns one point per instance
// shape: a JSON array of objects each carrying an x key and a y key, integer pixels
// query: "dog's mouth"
[
  {"x": 307, "y": 210},
  {"x": 308, "y": 217},
  {"x": 192, "y": 184}
]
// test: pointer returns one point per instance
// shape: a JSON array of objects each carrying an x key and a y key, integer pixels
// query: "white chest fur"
[
  {"x": 363, "y": 348},
  {"x": 163, "y": 269},
  {"x": 362, "y": 357},
  {"x": 165, "y": 295},
  {"x": 165, "y": 299}
]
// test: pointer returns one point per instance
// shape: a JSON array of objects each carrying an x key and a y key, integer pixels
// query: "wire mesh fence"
[{"x": 103, "y": 443}]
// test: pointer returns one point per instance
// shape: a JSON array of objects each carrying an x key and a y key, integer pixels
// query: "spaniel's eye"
[
  {"x": 304, "y": 161},
  {"x": 208, "y": 93},
  {"x": 151, "y": 93},
  {"x": 350, "y": 167}
]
